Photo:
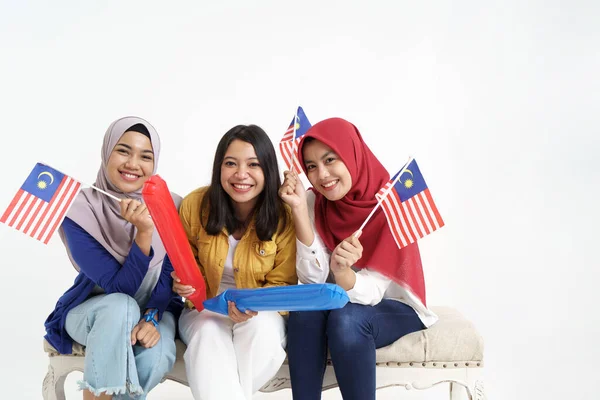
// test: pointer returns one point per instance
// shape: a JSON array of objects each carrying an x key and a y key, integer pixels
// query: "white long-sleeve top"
[{"x": 312, "y": 266}]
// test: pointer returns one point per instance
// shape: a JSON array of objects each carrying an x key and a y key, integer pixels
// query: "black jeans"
[{"x": 352, "y": 334}]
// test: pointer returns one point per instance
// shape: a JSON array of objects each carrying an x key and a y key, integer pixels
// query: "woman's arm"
[
  {"x": 312, "y": 257},
  {"x": 292, "y": 192},
  {"x": 369, "y": 287},
  {"x": 136, "y": 213},
  {"x": 312, "y": 262},
  {"x": 162, "y": 295},
  {"x": 101, "y": 267}
]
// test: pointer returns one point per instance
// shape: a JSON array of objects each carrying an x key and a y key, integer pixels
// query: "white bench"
[{"x": 450, "y": 352}]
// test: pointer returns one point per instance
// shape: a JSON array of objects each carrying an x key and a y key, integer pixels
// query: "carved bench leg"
[
  {"x": 470, "y": 390},
  {"x": 59, "y": 368},
  {"x": 478, "y": 391},
  {"x": 53, "y": 387},
  {"x": 459, "y": 392}
]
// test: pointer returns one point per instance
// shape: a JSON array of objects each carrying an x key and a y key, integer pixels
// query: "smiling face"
[
  {"x": 326, "y": 171},
  {"x": 131, "y": 162},
  {"x": 242, "y": 177}
]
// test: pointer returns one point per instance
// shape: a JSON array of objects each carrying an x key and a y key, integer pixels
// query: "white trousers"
[{"x": 231, "y": 361}]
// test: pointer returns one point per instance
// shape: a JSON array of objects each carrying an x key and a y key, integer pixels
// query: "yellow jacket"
[{"x": 255, "y": 263}]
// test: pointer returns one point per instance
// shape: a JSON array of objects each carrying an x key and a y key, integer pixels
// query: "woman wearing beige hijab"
[{"x": 121, "y": 306}]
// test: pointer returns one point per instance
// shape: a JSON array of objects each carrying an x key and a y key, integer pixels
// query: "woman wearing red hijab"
[{"x": 385, "y": 284}]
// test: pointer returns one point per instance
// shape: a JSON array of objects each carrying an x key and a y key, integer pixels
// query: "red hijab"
[{"x": 336, "y": 220}]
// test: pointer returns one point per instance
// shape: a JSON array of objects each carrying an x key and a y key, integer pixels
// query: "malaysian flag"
[
  {"x": 409, "y": 207},
  {"x": 288, "y": 146},
  {"x": 41, "y": 203}
]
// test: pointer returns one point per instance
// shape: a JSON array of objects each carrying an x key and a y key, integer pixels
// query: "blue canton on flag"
[
  {"x": 298, "y": 127},
  {"x": 409, "y": 207},
  {"x": 41, "y": 203},
  {"x": 42, "y": 182}
]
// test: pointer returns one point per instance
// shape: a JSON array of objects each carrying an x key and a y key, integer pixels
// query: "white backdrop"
[{"x": 499, "y": 104}]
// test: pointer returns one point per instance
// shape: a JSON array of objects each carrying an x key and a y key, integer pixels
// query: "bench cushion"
[{"x": 452, "y": 339}]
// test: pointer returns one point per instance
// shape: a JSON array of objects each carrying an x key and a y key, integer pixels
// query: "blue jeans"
[
  {"x": 352, "y": 333},
  {"x": 103, "y": 324}
]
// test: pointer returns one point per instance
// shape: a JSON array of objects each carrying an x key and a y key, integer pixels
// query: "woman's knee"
[
  {"x": 305, "y": 319},
  {"x": 269, "y": 327},
  {"x": 347, "y": 325},
  {"x": 194, "y": 327},
  {"x": 119, "y": 308},
  {"x": 269, "y": 320}
]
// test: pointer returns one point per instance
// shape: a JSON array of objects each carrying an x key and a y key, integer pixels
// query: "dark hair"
[
  {"x": 139, "y": 128},
  {"x": 269, "y": 208}
]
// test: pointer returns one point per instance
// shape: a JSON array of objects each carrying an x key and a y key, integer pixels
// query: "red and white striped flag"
[
  {"x": 41, "y": 203},
  {"x": 409, "y": 207},
  {"x": 288, "y": 146}
]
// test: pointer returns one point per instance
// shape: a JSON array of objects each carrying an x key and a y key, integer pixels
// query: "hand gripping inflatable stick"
[
  {"x": 166, "y": 219},
  {"x": 308, "y": 297}
]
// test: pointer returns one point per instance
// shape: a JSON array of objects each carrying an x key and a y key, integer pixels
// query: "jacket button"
[
  {"x": 262, "y": 252},
  {"x": 236, "y": 270}
]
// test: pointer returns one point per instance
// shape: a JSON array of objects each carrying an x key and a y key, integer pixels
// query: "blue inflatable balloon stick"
[{"x": 309, "y": 297}]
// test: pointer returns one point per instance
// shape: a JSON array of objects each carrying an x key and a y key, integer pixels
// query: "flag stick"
[
  {"x": 385, "y": 194},
  {"x": 102, "y": 191},
  {"x": 87, "y": 184}
]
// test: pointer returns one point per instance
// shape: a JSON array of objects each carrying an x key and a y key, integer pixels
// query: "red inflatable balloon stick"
[{"x": 166, "y": 219}]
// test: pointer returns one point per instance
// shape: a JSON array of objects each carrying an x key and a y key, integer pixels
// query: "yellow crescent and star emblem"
[
  {"x": 296, "y": 122},
  {"x": 42, "y": 184},
  {"x": 408, "y": 183}
]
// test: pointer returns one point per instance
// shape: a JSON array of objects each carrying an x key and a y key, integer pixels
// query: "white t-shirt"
[
  {"x": 312, "y": 266},
  {"x": 228, "y": 280}
]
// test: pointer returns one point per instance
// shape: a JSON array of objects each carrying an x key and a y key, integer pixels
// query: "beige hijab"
[{"x": 100, "y": 216}]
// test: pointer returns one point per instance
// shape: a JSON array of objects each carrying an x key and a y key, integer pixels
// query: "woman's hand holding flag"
[
  {"x": 292, "y": 191},
  {"x": 343, "y": 257}
]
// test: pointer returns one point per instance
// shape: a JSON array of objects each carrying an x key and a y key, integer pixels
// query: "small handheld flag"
[
  {"x": 288, "y": 146},
  {"x": 41, "y": 203},
  {"x": 408, "y": 206}
]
